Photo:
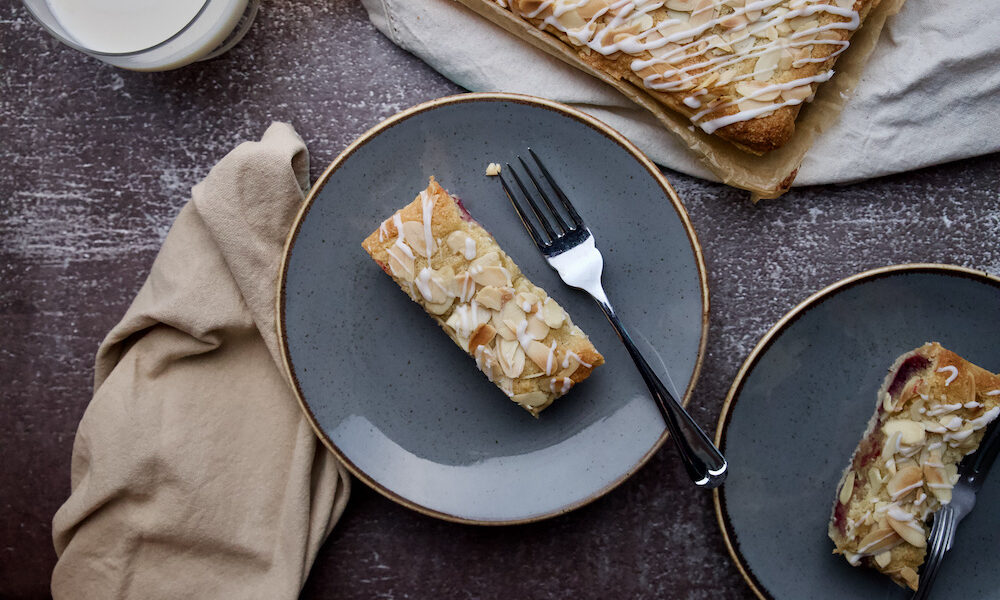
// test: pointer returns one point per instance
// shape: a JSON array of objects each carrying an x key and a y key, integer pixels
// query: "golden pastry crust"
[
  {"x": 521, "y": 338},
  {"x": 933, "y": 410},
  {"x": 740, "y": 69}
]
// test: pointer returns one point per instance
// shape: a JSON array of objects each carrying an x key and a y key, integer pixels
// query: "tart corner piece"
[
  {"x": 932, "y": 410},
  {"x": 520, "y": 338}
]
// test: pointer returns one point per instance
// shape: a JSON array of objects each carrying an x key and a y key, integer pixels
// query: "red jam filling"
[
  {"x": 909, "y": 368},
  {"x": 461, "y": 207},
  {"x": 871, "y": 448},
  {"x": 840, "y": 518}
]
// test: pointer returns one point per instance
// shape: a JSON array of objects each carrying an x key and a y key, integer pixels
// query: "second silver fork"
[{"x": 570, "y": 249}]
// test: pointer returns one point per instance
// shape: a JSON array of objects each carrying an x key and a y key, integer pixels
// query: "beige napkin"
[{"x": 194, "y": 473}]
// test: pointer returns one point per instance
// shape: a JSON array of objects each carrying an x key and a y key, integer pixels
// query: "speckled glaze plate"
[
  {"x": 403, "y": 407},
  {"x": 798, "y": 408}
]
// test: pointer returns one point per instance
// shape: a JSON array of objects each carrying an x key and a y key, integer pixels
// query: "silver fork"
[
  {"x": 972, "y": 473},
  {"x": 570, "y": 249}
]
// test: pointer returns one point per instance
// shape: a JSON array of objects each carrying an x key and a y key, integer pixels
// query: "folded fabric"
[
  {"x": 926, "y": 96},
  {"x": 194, "y": 472}
]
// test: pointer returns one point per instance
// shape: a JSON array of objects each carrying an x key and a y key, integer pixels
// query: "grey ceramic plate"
[
  {"x": 406, "y": 409},
  {"x": 799, "y": 406}
]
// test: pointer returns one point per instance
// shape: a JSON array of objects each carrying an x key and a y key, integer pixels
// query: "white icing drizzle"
[
  {"x": 900, "y": 493},
  {"x": 943, "y": 409},
  {"x": 521, "y": 332},
  {"x": 423, "y": 282},
  {"x": 957, "y": 436},
  {"x": 470, "y": 248},
  {"x": 674, "y": 40},
  {"x": 550, "y": 359},
  {"x": 993, "y": 393},
  {"x": 484, "y": 360},
  {"x": 954, "y": 424},
  {"x": 745, "y": 115},
  {"x": 564, "y": 384},
  {"x": 954, "y": 374},
  {"x": 383, "y": 232},
  {"x": 984, "y": 420},
  {"x": 897, "y": 513},
  {"x": 972, "y": 404},
  {"x": 574, "y": 356},
  {"x": 427, "y": 203},
  {"x": 934, "y": 427}
]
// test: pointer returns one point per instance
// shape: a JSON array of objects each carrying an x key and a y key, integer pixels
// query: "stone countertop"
[{"x": 95, "y": 163}]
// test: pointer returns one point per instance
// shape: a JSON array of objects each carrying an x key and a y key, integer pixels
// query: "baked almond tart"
[
  {"x": 933, "y": 409},
  {"x": 738, "y": 69},
  {"x": 520, "y": 338}
]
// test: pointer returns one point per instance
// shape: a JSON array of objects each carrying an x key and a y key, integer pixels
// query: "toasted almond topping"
[
  {"x": 507, "y": 319},
  {"x": 541, "y": 355},
  {"x": 882, "y": 559},
  {"x": 495, "y": 276},
  {"x": 847, "y": 489},
  {"x": 681, "y": 5},
  {"x": 440, "y": 308},
  {"x": 493, "y": 297},
  {"x": 906, "y": 526},
  {"x": 910, "y": 577},
  {"x": 591, "y": 8},
  {"x": 753, "y": 88},
  {"x": 733, "y": 21},
  {"x": 413, "y": 233},
  {"x": 875, "y": 476},
  {"x": 803, "y": 23},
  {"x": 536, "y": 329},
  {"x": 553, "y": 314},
  {"x": 766, "y": 64},
  {"x": 571, "y": 19},
  {"x": 458, "y": 241},
  {"x": 798, "y": 93},
  {"x": 490, "y": 259},
  {"x": 879, "y": 539},
  {"x": 704, "y": 11},
  {"x": 531, "y": 399},
  {"x": 528, "y": 301},
  {"x": 463, "y": 287},
  {"x": 511, "y": 358},
  {"x": 400, "y": 263},
  {"x": 483, "y": 335},
  {"x": 905, "y": 481},
  {"x": 911, "y": 433}
]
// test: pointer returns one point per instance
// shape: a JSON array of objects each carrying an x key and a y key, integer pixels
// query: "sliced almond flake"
[{"x": 766, "y": 64}]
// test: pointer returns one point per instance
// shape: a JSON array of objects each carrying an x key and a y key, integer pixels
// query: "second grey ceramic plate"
[
  {"x": 403, "y": 407},
  {"x": 799, "y": 406}
]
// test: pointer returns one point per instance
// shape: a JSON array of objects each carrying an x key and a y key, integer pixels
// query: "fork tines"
[{"x": 550, "y": 219}]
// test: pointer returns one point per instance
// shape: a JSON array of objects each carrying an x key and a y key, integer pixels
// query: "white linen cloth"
[{"x": 929, "y": 94}]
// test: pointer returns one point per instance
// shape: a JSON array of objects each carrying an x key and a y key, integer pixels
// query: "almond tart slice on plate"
[
  {"x": 520, "y": 338},
  {"x": 933, "y": 409}
]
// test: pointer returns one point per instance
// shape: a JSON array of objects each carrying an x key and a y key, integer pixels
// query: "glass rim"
[{"x": 77, "y": 46}]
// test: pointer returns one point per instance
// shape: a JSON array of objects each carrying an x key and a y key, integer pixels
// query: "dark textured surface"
[{"x": 95, "y": 162}]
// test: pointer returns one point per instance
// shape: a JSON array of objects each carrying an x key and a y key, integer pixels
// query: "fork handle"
[{"x": 704, "y": 463}]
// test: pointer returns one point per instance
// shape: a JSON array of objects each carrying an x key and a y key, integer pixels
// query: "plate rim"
[
  {"x": 725, "y": 526},
  {"x": 399, "y": 117}
]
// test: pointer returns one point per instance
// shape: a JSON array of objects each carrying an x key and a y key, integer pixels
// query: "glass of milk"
[{"x": 146, "y": 35}]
